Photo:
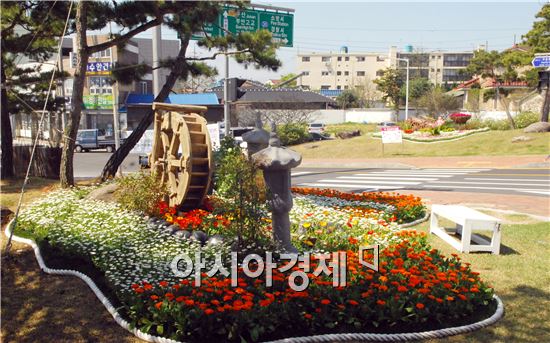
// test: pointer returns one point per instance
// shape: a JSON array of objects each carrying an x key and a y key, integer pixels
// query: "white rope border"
[
  {"x": 341, "y": 337},
  {"x": 415, "y": 140}
]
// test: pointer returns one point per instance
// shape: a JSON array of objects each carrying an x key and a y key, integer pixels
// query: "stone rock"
[
  {"x": 215, "y": 240},
  {"x": 521, "y": 139},
  {"x": 199, "y": 236},
  {"x": 348, "y": 134},
  {"x": 185, "y": 234},
  {"x": 104, "y": 193},
  {"x": 172, "y": 229},
  {"x": 5, "y": 214},
  {"x": 537, "y": 127}
]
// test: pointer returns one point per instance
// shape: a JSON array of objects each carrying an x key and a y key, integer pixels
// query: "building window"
[
  {"x": 346, "y": 87},
  {"x": 360, "y": 73},
  {"x": 432, "y": 70},
  {"x": 380, "y": 73},
  {"x": 305, "y": 59},
  {"x": 324, "y": 73},
  {"x": 379, "y": 59},
  {"x": 338, "y": 87},
  {"x": 99, "y": 85},
  {"x": 143, "y": 87},
  {"x": 325, "y": 58},
  {"x": 306, "y": 73},
  {"x": 453, "y": 75},
  {"x": 102, "y": 53},
  {"x": 339, "y": 58},
  {"x": 439, "y": 57},
  {"x": 305, "y": 86},
  {"x": 338, "y": 73},
  {"x": 360, "y": 58},
  {"x": 433, "y": 57},
  {"x": 347, "y": 58},
  {"x": 325, "y": 87},
  {"x": 346, "y": 73},
  {"x": 457, "y": 60}
]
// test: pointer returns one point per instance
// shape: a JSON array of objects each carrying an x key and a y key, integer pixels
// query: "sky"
[{"x": 365, "y": 26}]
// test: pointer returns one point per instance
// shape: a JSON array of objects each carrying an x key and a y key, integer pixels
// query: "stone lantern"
[
  {"x": 256, "y": 139},
  {"x": 276, "y": 162}
]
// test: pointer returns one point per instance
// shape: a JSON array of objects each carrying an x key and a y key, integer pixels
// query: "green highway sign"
[{"x": 235, "y": 21}]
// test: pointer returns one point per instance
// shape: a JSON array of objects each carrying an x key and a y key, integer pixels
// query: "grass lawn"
[
  {"x": 486, "y": 143},
  {"x": 520, "y": 278},
  {"x": 41, "y": 307}
]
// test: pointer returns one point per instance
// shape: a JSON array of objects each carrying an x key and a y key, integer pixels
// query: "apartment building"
[
  {"x": 99, "y": 90},
  {"x": 345, "y": 70}
]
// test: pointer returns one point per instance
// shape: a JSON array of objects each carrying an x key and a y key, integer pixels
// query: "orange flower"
[
  {"x": 158, "y": 305},
  {"x": 163, "y": 283},
  {"x": 208, "y": 311},
  {"x": 381, "y": 302},
  {"x": 325, "y": 301},
  {"x": 308, "y": 316},
  {"x": 353, "y": 302},
  {"x": 419, "y": 306}
]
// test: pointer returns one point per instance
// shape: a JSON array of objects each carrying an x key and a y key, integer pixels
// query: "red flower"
[
  {"x": 420, "y": 306},
  {"x": 325, "y": 301},
  {"x": 208, "y": 311},
  {"x": 158, "y": 305}
]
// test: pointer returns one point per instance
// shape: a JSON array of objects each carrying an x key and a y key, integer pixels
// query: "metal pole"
[
  {"x": 116, "y": 120},
  {"x": 157, "y": 40},
  {"x": 62, "y": 93},
  {"x": 407, "y": 92},
  {"x": 226, "y": 109}
]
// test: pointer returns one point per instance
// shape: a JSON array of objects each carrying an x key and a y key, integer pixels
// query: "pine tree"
[
  {"x": 29, "y": 30},
  {"x": 248, "y": 48}
]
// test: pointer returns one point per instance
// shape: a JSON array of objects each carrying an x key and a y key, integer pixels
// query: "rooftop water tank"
[
  {"x": 408, "y": 48},
  {"x": 344, "y": 49}
]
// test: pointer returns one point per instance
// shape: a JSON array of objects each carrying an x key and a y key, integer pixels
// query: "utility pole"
[
  {"x": 406, "y": 88},
  {"x": 157, "y": 41},
  {"x": 226, "y": 108}
]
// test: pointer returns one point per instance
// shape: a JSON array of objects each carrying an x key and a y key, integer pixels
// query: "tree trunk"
[
  {"x": 546, "y": 104},
  {"x": 506, "y": 104},
  {"x": 7, "y": 139},
  {"x": 73, "y": 121},
  {"x": 116, "y": 159}
]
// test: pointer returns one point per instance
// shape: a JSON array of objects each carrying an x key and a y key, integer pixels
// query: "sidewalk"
[{"x": 530, "y": 161}]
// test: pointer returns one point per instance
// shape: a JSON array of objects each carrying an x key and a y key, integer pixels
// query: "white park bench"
[{"x": 466, "y": 220}]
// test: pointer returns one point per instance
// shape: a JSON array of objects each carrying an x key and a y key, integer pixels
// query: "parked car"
[
  {"x": 94, "y": 139},
  {"x": 316, "y": 127},
  {"x": 387, "y": 123},
  {"x": 316, "y": 136}
]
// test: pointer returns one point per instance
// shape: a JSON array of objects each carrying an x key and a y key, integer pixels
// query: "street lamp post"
[{"x": 406, "y": 88}]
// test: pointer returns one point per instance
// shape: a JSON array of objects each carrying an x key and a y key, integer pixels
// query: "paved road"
[
  {"x": 90, "y": 164},
  {"x": 533, "y": 182}
]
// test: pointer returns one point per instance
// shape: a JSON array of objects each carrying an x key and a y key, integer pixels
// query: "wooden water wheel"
[{"x": 182, "y": 153}]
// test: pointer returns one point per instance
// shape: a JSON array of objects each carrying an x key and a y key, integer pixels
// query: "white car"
[{"x": 316, "y": 127}]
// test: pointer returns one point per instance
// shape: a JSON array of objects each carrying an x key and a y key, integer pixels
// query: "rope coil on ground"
[{"x": 340, "y": 337}]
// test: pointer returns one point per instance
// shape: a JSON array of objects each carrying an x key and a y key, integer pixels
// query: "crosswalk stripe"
[
  {"x": 300, "y": 173},
  {"x": 454, "y": 169},
  {"x": 537, "y": 192},
  {"x": 394, "y": 174},
  {"x": 424, "y": 172},
  {"x": 373, "y": 182},
  {"x": 489, "y": 183},
  {"x": 479, "y": 187},
  {"x": 491, "y": 179},
  {"x": 343, "y": 185},
  {"x": 386, "y": 178}
]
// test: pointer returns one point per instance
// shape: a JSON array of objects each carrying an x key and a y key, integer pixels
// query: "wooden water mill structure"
[{"x": 182, "y": 153}]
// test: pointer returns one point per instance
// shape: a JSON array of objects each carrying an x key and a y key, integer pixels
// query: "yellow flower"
[
  {"x": 306, "y": 225},
  {"x": 322, "y": 224}
]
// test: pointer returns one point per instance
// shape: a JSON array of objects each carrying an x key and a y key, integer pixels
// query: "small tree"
[
  {"x": 367, "y": 93},
  {"x": 417, "y": 89},
  {"x": 436, "y": 102},
  {"x": 347, "y": 99},
  {"x": 390, "y": 85}
]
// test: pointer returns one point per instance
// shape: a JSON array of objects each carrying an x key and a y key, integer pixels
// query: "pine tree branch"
[
  {"x": 123, "y": 38},
  {"x": 217, "y": 54}
]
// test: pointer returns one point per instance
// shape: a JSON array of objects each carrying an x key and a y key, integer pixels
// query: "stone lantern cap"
[{"x": 276, "y": 157}]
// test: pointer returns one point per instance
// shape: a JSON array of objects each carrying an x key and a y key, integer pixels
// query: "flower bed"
[
  {"x": 414, "y": 285},
  {"x": 428, "y": 137}
]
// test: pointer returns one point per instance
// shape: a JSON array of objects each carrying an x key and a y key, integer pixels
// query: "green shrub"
[
  {"x": 292, "y": 134},
  {"x": 140, "y": 192},
  {"x": 497, "y": 124},
  {"x": 524, "y": 119},
  {"x": 473, "y": 124}
]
